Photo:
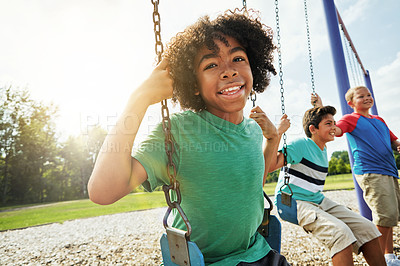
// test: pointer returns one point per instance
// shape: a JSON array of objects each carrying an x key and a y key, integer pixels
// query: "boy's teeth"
[{"x": 229, "y": 90}]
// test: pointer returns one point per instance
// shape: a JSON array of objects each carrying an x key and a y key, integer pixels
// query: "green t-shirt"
[
  {"x": 220, "y": 168},
  {"x": 307, "y": 168}
]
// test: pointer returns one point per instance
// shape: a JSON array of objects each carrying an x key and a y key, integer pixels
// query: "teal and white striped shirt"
[{"x": 307, "y": 168}]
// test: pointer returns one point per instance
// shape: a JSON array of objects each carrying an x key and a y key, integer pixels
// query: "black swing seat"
[{"x": 271, "y": 228}]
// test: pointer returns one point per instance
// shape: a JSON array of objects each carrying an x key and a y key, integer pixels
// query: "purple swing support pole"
[{"x": 343, "y": 84}]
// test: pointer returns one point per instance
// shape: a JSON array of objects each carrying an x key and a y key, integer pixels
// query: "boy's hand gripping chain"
[{"x": 177, "y": 239}]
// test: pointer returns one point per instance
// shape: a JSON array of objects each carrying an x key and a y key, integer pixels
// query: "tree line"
[
  {"x": 35, "y": 166},
  {"x": 338, "y": 164}
]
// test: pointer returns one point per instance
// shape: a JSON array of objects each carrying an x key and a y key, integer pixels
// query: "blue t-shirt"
[
  {"x": 307, "y": 169},
  {"x": 220, "y": 168},
  {"x": 370, "y": 142}
]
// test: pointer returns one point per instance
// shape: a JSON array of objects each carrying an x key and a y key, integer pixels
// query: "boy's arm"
[
  {"x": 316, "y": 101},
  {"x": 116, "y": 173},
  {"x": 279, "y": 160},
  {"x": 272, "y": 135},
  {"x": 396, "y": 145}
]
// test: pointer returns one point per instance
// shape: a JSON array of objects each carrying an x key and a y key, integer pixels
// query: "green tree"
[
  {"x": 332, "y": 169},
  {"x": 339, "y": 163},
  {"x": 273, "y": 176},
  {"x": 28, "y": 146},
  {"x": 344, "y": 155},
  {"x": 397, "y": 158},
  {"x": 36, "y": 153},
  {"x": 78, "y": 156},
  {"x": 12, "y": 108}
]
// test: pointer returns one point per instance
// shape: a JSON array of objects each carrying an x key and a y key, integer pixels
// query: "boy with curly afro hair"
[
  {"x": 183, "y": 48},
  {"x": 210, "y": 68}
]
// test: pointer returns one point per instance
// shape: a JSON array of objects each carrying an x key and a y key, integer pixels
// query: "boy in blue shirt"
[
  {"x": 338, "y": 228},
  {"x": 210, "y": 68},
  {"x": 374, "y": 167}
]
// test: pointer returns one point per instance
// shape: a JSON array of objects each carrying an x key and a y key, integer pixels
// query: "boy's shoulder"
[
  {"x": 183, "y": 114},
  {"x": 300, "y": 144},
  {"x": 378, "y": 117},
  {"x": 300, "y": 141},
  {"x": 354, "y": 117},
  {"x": 348, "y": 121},
  {"x": 351, "y": 116}
]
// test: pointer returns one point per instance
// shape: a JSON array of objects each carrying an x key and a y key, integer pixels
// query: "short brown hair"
[
  {"x": 314, "y": 116},
  {"x": 350, "y": 92}
]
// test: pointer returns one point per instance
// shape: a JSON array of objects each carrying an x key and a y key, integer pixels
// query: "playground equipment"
[
  {"x": 176, "y": 247},
  {"x": 333, "y": 20}
]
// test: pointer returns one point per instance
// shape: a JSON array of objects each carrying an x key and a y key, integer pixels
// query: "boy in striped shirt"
[{"x": 341, "y": 230}]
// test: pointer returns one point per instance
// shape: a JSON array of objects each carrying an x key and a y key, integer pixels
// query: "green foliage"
[
  {"x": 397, "y": 158},
  {"x": 34, "y": 165},
  {"x": 273, "y": 176},
  {"x": 344, "y": 155},
  {"x": 339, "y": 163}
]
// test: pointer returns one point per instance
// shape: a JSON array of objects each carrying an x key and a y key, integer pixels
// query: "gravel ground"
[{"x": 133, "y": 239}]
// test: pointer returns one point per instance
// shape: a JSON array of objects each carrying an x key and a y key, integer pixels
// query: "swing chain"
[
  {"x": 282, "y": 90},
  {"x": 309, "y": 47},
  {"x": 245, "y": 12},
  {"x": 253, "y": 97},
  {"x": 166, "y": 122},
  {"x": 159, "y": 48},
  {"x": 169, "y": 141}
]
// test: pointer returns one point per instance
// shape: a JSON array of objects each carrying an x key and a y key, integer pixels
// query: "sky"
[{"x": 87, "y": 56}]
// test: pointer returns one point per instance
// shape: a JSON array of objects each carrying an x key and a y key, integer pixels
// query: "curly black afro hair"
[{"x": 181, "y": 51}]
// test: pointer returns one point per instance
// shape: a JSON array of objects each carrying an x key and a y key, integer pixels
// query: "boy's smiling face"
[
  {"x": 362, "y": 100},
  {"x": 325, "y": 131},
  {"x": 225, "y": 79}
]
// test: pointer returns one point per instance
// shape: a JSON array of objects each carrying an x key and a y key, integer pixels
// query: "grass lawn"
[
  {"x": 77, "y": 209},
  {"x": 30, "y": 215},
  {"x": 334, "y": 182}
]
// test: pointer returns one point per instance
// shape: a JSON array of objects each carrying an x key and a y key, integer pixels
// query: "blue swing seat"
[
  {"x": 187, "y": 252},
  {"x": 286, "y": 212},
  {"x": 271, "y": 230},
  {"x": 195, "y": 256}
]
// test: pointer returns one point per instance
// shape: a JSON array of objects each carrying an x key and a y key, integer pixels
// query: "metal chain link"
[
  {"x": 169, "y": 141},
  {"x": 278, "y": 37},
  {"x": 309, "y": 47},
  {"x": 253, "y": 98},
  {"x": 245, "y": 12},
  {"x": 159, "y": 48},
  {"x": 166, "y": 122}
]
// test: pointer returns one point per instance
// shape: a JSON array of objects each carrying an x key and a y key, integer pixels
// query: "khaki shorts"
[
  {"x": 381, "y": 193},
  {"x": 335, "y": 225}
]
